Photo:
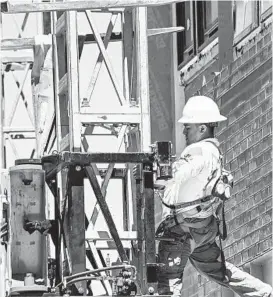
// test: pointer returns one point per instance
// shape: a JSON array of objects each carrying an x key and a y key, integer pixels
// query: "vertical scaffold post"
[{"x": 147, "y": 234}]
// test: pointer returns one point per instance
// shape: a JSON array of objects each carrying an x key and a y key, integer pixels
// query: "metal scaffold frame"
[{"x": 67, "y": 169}]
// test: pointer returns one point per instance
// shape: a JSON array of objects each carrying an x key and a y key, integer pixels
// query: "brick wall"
[{"x": 244, "y": 92}]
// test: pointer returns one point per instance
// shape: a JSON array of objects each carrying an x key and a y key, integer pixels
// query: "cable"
[
  {"x": 84, "y": 273},
  {"x": 86, "y": 278}
]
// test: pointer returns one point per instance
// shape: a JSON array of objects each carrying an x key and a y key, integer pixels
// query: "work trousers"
[{"x": 199, "y": 246}]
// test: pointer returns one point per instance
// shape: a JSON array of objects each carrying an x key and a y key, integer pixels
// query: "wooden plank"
[
  {"x": 16, "y": 7},
  {"x": 99, "y": 63},
  {"x": 106, "y": 58},
  {"x": 157, "y": 31}
]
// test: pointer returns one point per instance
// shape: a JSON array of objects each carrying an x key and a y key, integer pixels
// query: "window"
[
  {"x": 200, "y": 20},
  {"x": 245, "y": 16}
]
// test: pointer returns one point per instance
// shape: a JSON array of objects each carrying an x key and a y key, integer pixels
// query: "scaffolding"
[{"x": 65, "y": 153}]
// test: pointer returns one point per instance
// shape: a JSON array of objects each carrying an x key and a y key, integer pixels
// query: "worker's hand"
[{"x": 31, "y": 226}]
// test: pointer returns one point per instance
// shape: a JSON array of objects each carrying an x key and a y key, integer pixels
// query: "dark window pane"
[{"x": 184, "y": 18}]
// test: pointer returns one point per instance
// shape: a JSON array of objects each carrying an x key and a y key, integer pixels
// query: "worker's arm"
[{"x": 185, "y": 169}]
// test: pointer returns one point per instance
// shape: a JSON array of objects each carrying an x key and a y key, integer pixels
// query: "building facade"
[{"x": 242, "y": 88}]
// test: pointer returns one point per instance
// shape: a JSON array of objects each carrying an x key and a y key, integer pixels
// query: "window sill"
[
  {"x": 242, "y": 35},
  {"x": 195, "y": 64},
  {"x": 199, "y": 51}
]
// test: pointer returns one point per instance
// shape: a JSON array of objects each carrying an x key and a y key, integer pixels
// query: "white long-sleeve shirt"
[{"x": 191, "y": 174}]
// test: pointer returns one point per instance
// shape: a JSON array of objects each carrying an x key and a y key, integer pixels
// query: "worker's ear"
[{"x": 202, "y": 128}]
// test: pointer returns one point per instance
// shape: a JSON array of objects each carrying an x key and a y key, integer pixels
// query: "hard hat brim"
[{"x": 187, "y": 120}]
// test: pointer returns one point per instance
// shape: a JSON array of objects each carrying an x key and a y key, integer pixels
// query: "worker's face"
[{"x": 193, "y": 133}]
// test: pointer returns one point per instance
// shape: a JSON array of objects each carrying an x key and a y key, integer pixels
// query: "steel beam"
[
  {"x": 19, "y": 7},
  {"x": 54, "y": 163}
]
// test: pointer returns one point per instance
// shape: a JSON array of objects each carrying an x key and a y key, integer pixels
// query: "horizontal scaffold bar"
[
  {"x": 54, "y": 163},
  {"x": 19, "y": 7}
]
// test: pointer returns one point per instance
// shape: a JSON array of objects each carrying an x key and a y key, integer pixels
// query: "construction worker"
[{"x": 193, "y": 209}]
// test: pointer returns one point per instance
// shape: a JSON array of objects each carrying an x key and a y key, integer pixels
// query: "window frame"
[
  {"x": 209, "y": 34},
  {"x": 250, "y": 28}
]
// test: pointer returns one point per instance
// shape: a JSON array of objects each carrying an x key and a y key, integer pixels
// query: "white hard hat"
[{"x": 201, "y": 109}]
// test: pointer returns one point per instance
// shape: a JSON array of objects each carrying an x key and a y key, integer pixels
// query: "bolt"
[
  {"x": 81, "y": 290},
  {"x": 78, "y": 168}
]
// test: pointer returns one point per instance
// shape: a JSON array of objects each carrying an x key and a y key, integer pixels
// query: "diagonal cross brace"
[
  {"x": 15, "y": 103},
  {"x": 106, "y": 57},
  {"x": 96, "y": 71},
  {"x": 106, "y": 212}
]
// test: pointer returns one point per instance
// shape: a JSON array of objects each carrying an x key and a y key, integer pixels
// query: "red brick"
[
  {"x": 253, "y": 251},
  {"x": 267, "y": 129},
  {"x": 266, "y": 105},
  {"x": 252, "y": 51},
  {"x": 259, "y": 44},
  {"x": 268, "y": 90},
  {"x": 254, "y": 102},
  {"x": 245, "y": 169},
  {"x": 247, "y": 130},
  {"x": 229, "y": 156},
  {"x": 261, "y": 96},
  {"x": 265, "y": 231},
  {"x": 245, "y": 255},
  {"x": 267, "y": 38},
  {"x": 265, "y": 244},
  {"x": 269, "y": 205},
  {"x": 267, "y": 217}
]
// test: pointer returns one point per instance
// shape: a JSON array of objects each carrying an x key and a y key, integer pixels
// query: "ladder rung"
[
  {"x": 60, "y": 25},
  {"x": 131, "y": 116},
  {"x": 63, "y": 85}
]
